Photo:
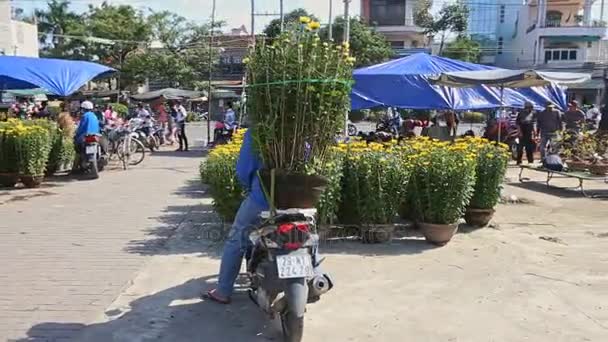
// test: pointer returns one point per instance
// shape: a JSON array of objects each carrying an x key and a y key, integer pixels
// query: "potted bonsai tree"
[
  {"x": 9, "y": 163},
  {"x": 442, "y": 181},
  {"x": 33, "y": 148},
  {"x": 297, "y": 96},
  {"x": 491, "y": 167}
]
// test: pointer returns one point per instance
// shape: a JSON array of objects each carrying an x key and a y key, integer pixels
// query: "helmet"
[{"x": 87, "y": 105}]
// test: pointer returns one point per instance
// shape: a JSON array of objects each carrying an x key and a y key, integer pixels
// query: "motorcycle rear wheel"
[{"x": 293, "y": 327}]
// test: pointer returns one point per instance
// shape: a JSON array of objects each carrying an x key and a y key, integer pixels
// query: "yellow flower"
[
  {"x": 245, "y": 60},
  {"x": 305, "y": 20},
  {"x": 313, "y": 25},
  {"x": 346, "y": 45},
  {"x": 351, "y": 59},
  {"x": 325, "y": 44}
]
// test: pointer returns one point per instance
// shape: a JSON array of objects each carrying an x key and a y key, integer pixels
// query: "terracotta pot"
[
  {"x": 576, "y": 165},
  {"x": 478, "y": 217},
  {"x": 8, "y": 180},
  {"x": 294, "y": 190},
  {"x": 378, "y": 233},
  {"x": 598, "y": 169},
  {"x": 438, "y": 234},
  {"x": 32, "y": 181}
]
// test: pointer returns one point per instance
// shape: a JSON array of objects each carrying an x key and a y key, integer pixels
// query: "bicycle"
[{"x": 122, "y": 145}]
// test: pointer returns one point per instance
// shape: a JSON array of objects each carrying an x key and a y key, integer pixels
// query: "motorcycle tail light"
[
  {"x": 90, "y": 139},
  {"x": 291, "y": 235}
]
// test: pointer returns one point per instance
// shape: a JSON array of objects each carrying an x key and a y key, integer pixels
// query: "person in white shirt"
[
  {"x": 594, "y": 114},
  {"x": 144, "y": 115},
  {"x": 180, "y": 121},
  {"x": 230, "y": 117}
]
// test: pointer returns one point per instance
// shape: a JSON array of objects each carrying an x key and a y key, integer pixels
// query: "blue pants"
[{"x": 236, "y": 245}]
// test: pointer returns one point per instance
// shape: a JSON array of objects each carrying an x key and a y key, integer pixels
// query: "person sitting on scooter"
[
  {"x": 246, "y": 218},
  {"x": 88, "y": 125}
]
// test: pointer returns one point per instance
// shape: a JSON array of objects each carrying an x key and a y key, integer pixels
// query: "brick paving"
[{"x": 68, "y": 249}]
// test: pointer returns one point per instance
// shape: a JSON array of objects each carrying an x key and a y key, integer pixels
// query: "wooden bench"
[{"x": 581, "y": 176}]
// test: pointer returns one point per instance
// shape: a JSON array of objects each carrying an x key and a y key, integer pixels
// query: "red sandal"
[{"x": 212, "y": 296}]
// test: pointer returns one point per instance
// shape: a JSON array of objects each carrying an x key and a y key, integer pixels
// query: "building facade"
[
  {"x": 17, "y": 38},
  {"x": 395, "y": 20}
]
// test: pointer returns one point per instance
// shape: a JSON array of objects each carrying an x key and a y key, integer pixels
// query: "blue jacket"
[
  {"x": 89, "y": 125},
  {"x": 247, "y": 165}
]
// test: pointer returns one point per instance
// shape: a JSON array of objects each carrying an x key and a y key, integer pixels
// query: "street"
[{"x": 125, "y": 258}]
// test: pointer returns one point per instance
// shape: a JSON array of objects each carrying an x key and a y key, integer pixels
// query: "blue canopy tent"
[
  {"x": 406, "y": 83},
  {"x": 58, "y": 76}
]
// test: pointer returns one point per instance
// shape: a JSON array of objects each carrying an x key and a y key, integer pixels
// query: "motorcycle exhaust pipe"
[{"x": 320, "y": 284}]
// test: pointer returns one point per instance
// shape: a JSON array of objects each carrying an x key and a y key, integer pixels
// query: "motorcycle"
[
  {"x": 221, "y": 134},
  {"x": 389, "y": 125},
  {"x": 92, "y": 157},
  {"x": 145, "y": 134},
  {"x": 509, "y": 135},
  {"x": 283, "y": 268},
  {"x": 352, "y": 129}
]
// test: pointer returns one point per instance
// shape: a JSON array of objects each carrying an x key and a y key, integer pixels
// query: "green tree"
[
  {"x": 366, "y": 45},
  {"x": 464, "y": 49},
  {"x": 274, "y": 27},
  {"x": 452, "y": 18},
  {"x": 57, "y": 22}
]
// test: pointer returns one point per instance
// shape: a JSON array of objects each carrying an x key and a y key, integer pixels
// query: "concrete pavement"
[{"x": 68, "y": 249}]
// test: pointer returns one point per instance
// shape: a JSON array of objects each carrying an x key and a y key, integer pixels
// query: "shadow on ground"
[
  {"x": 191, "y": 153},
  {"x": 174, "y": 314},
  {"x": 542, "y": 187}
]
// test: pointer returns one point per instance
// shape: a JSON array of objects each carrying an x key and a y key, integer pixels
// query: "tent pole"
[{"x": 502, "y": 105}]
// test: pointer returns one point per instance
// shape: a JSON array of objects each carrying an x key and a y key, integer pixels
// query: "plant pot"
[
  {"x": 294, "y": 190},
  {"x": 32, "y": 181},
  {"x": 598, "y": 169},
  {"x": 478, "y": 217},
  {"x": 378, "y": 233},
  {"x": 576, "y": 165},
  {"x": 438, "y": 234},
  {"x": 8, "y": 180}
]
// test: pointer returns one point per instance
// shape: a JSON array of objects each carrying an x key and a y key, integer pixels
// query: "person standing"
[
  {"x": 549, "y": 124},
  {"x": 574, "y": 117},
  {"x": 594, "y": 115},
  {"x": 180, "y": 121},
  {"x": 525, "y": 123}
]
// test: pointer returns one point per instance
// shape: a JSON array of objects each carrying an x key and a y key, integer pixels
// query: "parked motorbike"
[
  {"x": 145, "y": 134},
  {"x": 509, "y": 134},
  {"x": 388, "y": 125},
  {"x": 221, "y": 134},
  {"x": 283, "y": 268},
  {"x": 352, "y": 129},
  {"x": 92, "y": 157}
]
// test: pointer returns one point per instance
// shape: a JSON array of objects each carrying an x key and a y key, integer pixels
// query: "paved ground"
[
  {"x": 540, "y": 274},
  {"x": 69, "y": 248}
]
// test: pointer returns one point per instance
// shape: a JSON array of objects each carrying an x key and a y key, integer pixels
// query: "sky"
[{"x": 234, "y": 12}]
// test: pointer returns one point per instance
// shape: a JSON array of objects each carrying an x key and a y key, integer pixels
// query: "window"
[
  {"x": 560, "y": 55},
  {"x": 502, "y": 14},
  {"x": 500, "y": 45},
  {"x": 397, "y": 44},
  {"x": 387, "y": 12}
]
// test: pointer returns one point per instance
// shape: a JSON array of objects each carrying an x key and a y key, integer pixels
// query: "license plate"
[
  {"x": 294, "y": 266},
  {"x": 91, "y": 149}
]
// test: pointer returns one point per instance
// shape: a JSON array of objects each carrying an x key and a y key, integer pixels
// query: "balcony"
[
  {"x": 595, "y": 31},
  {"x": 408, "y": 26}
]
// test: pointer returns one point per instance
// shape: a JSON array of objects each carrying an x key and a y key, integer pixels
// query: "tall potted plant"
[
  {"x": 297, "y": 96},
  {"x": 442, "y": 180},
  {"x": 492, "y": 160},
  {"x": 33, "y": 148},
  {"x": 9, "y": 163}
]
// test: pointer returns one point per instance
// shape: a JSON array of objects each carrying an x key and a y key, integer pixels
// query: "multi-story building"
[
  {"x": 17, "y": 38},
  {"x": 395, "y": 20},
  {"x": 553, "y": 34}
]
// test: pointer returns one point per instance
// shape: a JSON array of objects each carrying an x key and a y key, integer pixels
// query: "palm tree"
[{"x": 55, "y": 22}]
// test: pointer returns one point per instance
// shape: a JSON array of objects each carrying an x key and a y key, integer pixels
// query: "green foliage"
[
  {"x": 366, "y": 44},
  {"x": 374, "y": 183},
  {"x": 274, "y": 27},
  {"x": 219, "y": 172},
  {"x": 464, "y": 49},
  {"x": 452, "y": 18},
  {"x": 33, "y": 149},
  {"x": 121, "y": 109},
  {"x": 54, "y": 24},
  {"x": 492, "y": 163},
  {"x": 327, "y": 207},
  {"x": 474, "y": 117},
  {"x": 299, "y": 90},
  {"x": 443, "y": 180}
]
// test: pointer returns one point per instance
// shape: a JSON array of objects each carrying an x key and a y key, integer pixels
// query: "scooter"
[
  {"x": 283, "y": 268},
  {"x": 92, "y": 158}
]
